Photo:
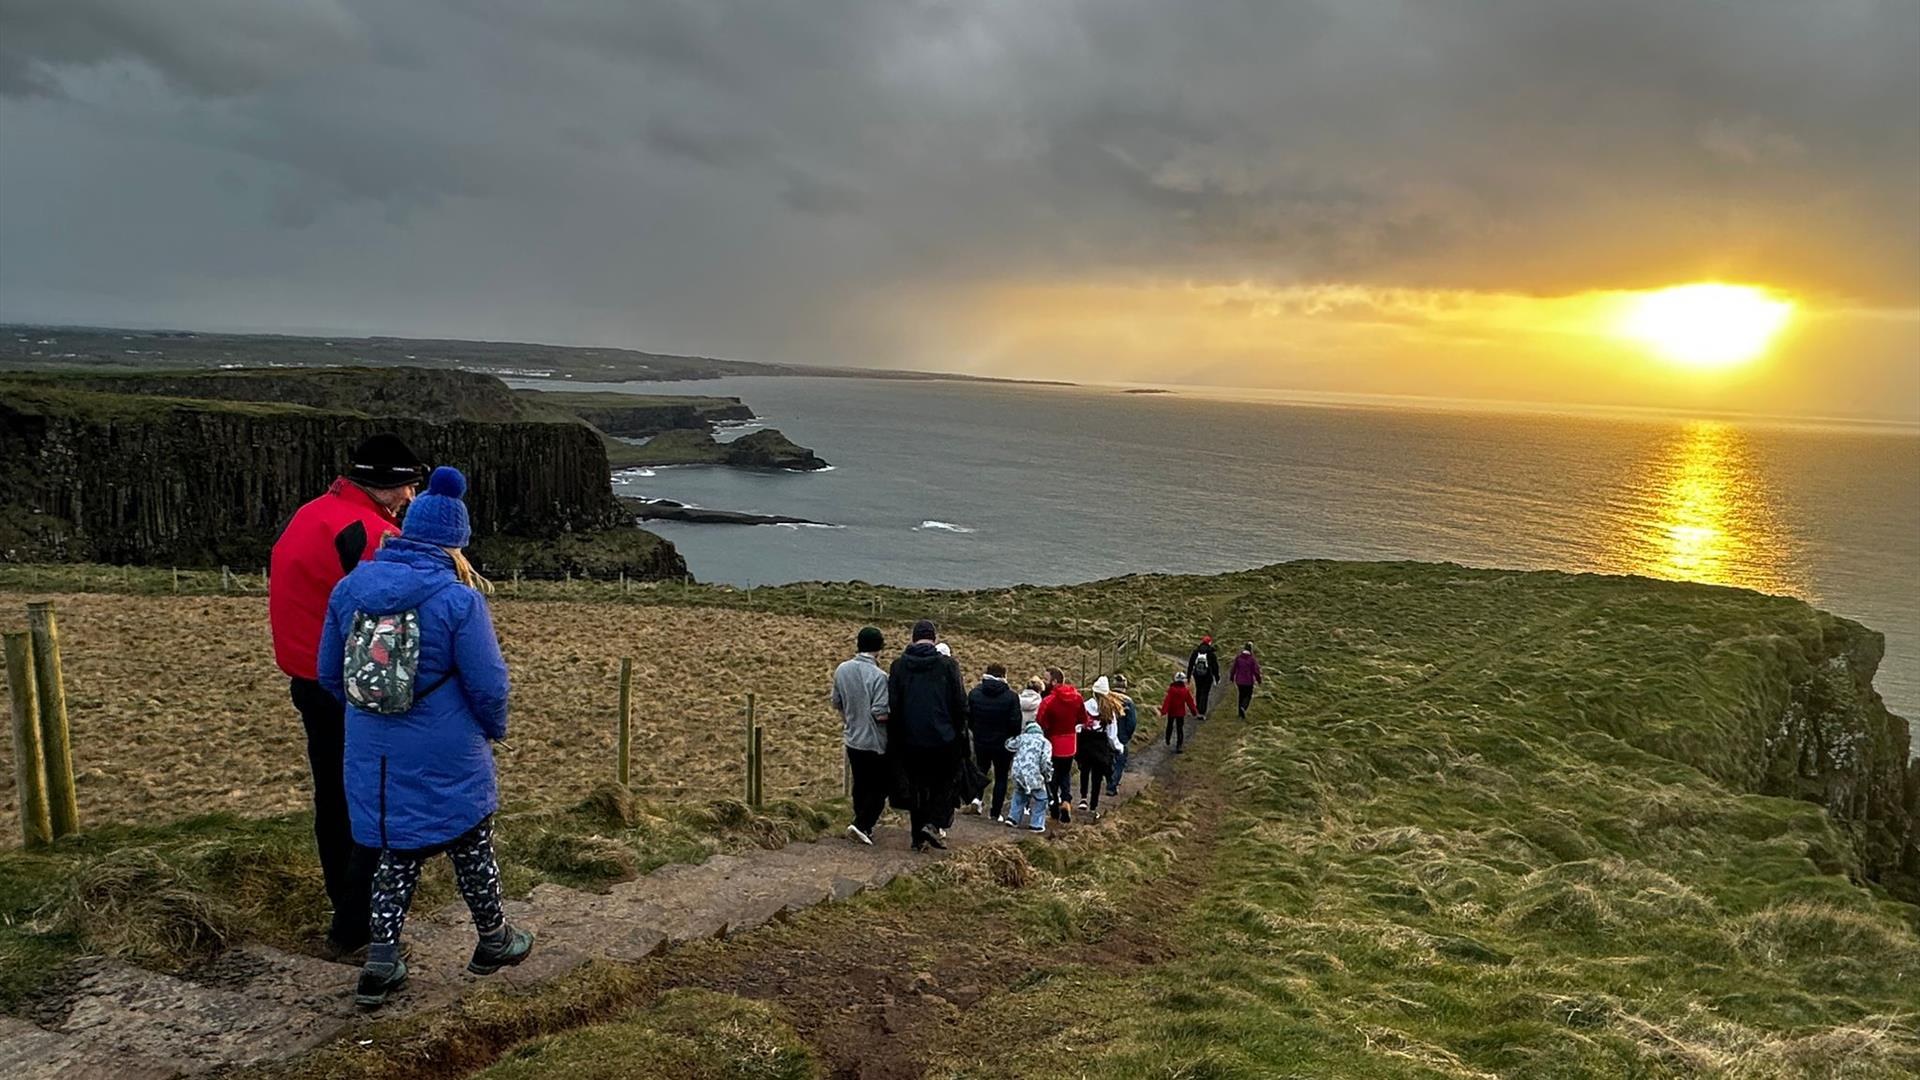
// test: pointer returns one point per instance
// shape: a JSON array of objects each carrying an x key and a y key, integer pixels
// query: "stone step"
[
  {"x": 120, "y": 1012},
  {"x": 34, "y": 1053},
  {"x": 297, "y": 982}
]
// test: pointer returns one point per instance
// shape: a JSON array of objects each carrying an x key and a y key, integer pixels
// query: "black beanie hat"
[
  {"x": 924, "y": 630},
  {"x": 870, "y": 639},
  {"x": 383, "y": 461}
]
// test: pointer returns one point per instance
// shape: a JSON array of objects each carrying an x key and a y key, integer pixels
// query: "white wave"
[
  {"x": 798, "y": 525},
  {"x": 941, "y": 526},
  {"x": 626, "y": 475}
]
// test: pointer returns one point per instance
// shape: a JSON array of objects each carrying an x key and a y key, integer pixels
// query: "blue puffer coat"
[{"x": 422, "y": 778}]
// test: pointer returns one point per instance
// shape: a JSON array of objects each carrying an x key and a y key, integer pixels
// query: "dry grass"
[{"x": 177, "y": 708}]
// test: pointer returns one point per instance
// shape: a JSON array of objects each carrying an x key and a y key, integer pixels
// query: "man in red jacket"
[
  {"x": 326, "y": 538},
  {"x": 1060, "y": 714}
]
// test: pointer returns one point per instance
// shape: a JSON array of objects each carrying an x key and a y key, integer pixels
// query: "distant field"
[{"x": 177, "y": 708}]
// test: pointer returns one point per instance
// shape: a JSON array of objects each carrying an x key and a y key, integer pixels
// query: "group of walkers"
[
  {"x": 917, "y": 738},
  {"x": 381, "y": 624}
]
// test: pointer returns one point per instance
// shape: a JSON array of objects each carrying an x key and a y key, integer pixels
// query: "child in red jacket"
[{"x": 1176, "y": 707}]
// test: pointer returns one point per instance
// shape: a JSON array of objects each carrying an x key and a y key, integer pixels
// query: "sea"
[{"x": 975, "y": 484}]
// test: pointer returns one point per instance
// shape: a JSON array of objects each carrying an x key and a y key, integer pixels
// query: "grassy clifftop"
[{"x": 1480, "y": 824}]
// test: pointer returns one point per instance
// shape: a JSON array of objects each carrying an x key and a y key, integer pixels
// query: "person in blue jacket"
[{"x": 420, "y": 781}]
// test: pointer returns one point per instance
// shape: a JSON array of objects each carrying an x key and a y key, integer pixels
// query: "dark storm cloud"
[{"x": 734, "y": 177}]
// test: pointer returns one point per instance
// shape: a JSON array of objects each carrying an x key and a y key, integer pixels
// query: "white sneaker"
[
  {"x": 1005, "y": 820},
  {"x": 973, "y": 807},
  {"x": 939, "y": 832},
  {"x": 858, "y": 836}
]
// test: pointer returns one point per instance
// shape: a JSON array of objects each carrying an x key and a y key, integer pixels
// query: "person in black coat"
[
  {"x": 926, "y": 731},
  {"x": 1203, "y": 668},
  {"x": 993, "y": 711}
]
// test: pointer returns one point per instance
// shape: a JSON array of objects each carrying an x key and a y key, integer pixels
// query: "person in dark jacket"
[
  {"x": 993, "y": 712},
  {"x": 325, "y": 539},
  {"x": 1203, "y": 669},
  {"x": 420, "y": 782},
  {"x": 926, "y": 730}
]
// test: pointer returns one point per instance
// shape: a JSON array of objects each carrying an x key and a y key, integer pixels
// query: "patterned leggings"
[{"x": 474, "y": 870}]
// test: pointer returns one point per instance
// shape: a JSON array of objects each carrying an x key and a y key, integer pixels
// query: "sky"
[{"x": 1425, "y": 197}]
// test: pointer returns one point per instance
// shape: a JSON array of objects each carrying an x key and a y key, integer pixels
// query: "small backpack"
[{"x": 383, "y": 663}]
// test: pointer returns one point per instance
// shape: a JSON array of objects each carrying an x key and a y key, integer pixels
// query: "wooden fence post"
[
  {"x": 226, "y": 579},
  {"x": 748, "y": 736},
  {"x": 759, "y": 793},
  {"x": 176, "y": 579},
  {"x": 56, "y": 744},
  {"x": 30, "y": 778},
  {"x": 624, "y": 764}
]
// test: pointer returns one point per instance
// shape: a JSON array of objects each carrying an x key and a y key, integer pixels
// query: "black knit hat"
[
  {"x": 924, "y": 630},
  {"x": 870, "y": 639},
  {"x": 383, "y": 461}
]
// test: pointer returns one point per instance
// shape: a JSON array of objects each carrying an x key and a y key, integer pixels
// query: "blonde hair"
[
  {"x": 468, "y": 576},
  {"x": 1110, "y": 707}
]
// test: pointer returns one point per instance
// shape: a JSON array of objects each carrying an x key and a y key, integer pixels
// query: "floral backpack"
[{"x": 383, "y": 663}]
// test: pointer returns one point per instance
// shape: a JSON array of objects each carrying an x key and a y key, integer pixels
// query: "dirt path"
[
  {"x": 880, "y": 999},
  {"x": 257, "y": 1004}
]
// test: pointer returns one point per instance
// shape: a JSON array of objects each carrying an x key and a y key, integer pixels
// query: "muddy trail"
[{"x": 878, "y": 995}]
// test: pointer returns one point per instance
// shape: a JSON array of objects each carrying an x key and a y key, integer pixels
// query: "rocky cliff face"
[
  {"x": 1832, "y": 741},
  {"x": 635, "y": 416},
  {"x": 128, "y": 479}
]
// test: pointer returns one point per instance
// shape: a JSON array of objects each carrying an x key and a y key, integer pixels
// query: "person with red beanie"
[{"x": 325, "y": 539}]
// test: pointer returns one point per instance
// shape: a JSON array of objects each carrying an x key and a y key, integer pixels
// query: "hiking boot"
[
  {"x": 926, "y": 840},
  {"x": 510, "y": 949},
  {"x": 342, "y": 952},
  {"x": 858, "y": 836},
  {"x": 377, "y": 981},
  {"x": 1066, "y": 813}
]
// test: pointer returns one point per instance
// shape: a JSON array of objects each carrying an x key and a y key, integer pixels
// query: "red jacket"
[
  {"x": 1060, "y": 716},
  {"x": 1179, "y": 701},
  {"x": 325, "y": 539}
]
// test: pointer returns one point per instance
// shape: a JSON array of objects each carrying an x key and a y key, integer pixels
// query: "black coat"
[
  {"x": 1204, "y": 664},
  {"x": 927, "y": 699},
  {"x": 993, "y": 710}
]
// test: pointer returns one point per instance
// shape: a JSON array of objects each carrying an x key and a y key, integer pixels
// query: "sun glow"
[{"x": 1706, "y": 325}]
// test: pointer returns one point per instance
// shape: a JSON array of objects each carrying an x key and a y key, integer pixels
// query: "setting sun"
[{"x": 1708, "y": 325}]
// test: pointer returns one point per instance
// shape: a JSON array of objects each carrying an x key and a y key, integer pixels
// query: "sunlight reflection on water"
[{"x": 1705, "y": 512}]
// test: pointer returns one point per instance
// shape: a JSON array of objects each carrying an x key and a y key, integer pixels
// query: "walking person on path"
[
  {"x": 1060, "y": 714},
  {"x": 860, "y": 694},
  {"x": 1246, "y": 675},
  {"x": 1203, "y": 668},
  {"x": 325, "y": 539},
  {"x": 409, "y": 648},
  {"x": 1176, "y": 706},
  {"x": 1129, "y": 723},
  {"x": 1032, "y": 773},
  {"x": 926, "y": 731},
  {"x": 1098, "y": 741},
  {"x": 993, "y": 712}
]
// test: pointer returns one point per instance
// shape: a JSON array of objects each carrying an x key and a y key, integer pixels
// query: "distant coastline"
[{"x": 95, "y": 348}]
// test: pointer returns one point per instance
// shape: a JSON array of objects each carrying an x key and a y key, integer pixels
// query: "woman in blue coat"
[{"x": 409, "y": 646}]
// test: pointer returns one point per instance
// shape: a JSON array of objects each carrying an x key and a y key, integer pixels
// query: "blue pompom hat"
[{"x": 439, "y": 517}]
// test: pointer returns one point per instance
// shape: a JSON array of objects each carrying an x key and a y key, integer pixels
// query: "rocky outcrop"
[
  {"x": 767, "y": 449},
  {"x": 670, "y": 510},
  {"x": 418, "y": 393},
  {"x": 121, "y": 478},
  {"x": 638, "y": 416}
]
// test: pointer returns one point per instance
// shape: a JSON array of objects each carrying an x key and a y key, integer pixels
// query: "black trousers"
[
  {"x": 1246, "y": 699},
  {"x": 872, "y": 779},
  {"x": 1061, "y": 786},
  {"x": 347, "y": 867},
  {"x": 929, "y": 778},
  {"x": 999, "y": 761},
  {"x": 1202, "y": 690},
  {"x": 1176, "y": 729},
  {"x": 1093, "y": 778}
]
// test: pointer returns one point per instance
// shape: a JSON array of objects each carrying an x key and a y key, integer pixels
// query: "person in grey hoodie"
[
  {"x": 860, "y": 694},
  {"x": 1032, "y": 755}
]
